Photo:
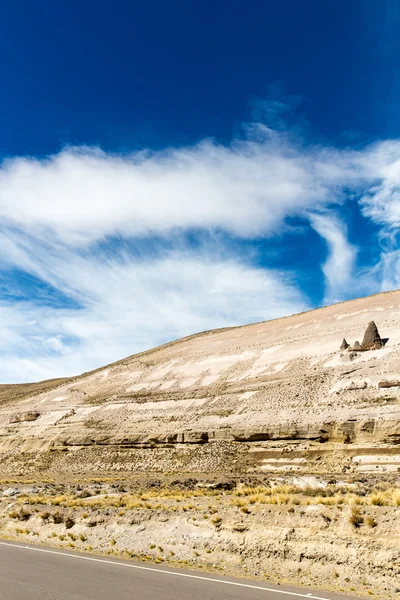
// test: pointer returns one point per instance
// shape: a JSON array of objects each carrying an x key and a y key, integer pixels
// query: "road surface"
[{"x": 35, "y": 573}]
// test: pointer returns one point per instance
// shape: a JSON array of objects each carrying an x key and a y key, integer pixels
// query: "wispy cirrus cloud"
[
  {"x": 381, "y": 199},
  {"x": 129, "y": 305},
  {"x": 338, "y": 267}
]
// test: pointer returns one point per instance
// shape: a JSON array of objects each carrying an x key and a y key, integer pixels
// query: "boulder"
[
  {"x": 388, "y": 384},
  {"x": 356, "y": 346},
  {"x": 21, "y": 417},
  {"x": 10, "y": 492},
  {"x": 372, "y": 339},
  {"x": 344, "y": 344}
]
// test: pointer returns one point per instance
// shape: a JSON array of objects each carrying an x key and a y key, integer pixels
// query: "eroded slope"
[{"x": 283, "y": 380}]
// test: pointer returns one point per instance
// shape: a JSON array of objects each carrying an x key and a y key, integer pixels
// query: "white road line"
[{"x": 121, "y": 564}]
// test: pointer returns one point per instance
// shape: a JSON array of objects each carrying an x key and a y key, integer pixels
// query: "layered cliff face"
[{"x": 270, "y": 396}]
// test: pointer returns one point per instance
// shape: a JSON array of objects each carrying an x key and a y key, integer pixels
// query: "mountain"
[{"x": 277, "y": 395}]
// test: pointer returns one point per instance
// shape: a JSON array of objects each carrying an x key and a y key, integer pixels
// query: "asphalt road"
[{"x": 34, "y": 573}]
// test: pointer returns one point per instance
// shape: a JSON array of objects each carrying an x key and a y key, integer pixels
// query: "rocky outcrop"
[
  {"x": 388, "y": 384},
  {"x": 351, "y": 430},
  {"x": 372, "y": 339},
  {"x": 21, "y": 417}
]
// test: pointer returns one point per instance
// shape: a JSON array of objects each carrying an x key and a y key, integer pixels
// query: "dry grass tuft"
[
  {"x": 370, "y": 521},
  {"x": 355, "y": 518}
]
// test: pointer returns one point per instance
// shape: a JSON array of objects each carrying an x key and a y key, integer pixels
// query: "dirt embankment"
[{"x": 341, "y": 536}]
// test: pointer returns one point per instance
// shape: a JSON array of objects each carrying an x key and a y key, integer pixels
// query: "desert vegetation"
[
  {"x": 258, "y": 528},
  {"x": 240, "y": 496}
]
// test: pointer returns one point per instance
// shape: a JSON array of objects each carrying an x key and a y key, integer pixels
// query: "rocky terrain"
[
  {"x": 314, "y": 397},
  {"x": 340, "y": 535}
]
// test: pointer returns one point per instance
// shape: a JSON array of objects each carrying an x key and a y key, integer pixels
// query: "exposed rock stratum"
[{"x": 372, "y": 339}]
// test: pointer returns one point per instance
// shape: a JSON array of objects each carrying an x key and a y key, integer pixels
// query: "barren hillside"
[
  {"x": 262, "y": 450},
  {"x": 265, "y": 384}
]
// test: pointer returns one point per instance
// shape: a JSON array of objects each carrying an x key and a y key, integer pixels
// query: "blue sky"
[{"x": 172, "y": 167}]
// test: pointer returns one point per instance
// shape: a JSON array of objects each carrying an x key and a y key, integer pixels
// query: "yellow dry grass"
[
  {"x": 171, "y": 500},
  {"x": 305, "y": 497}
]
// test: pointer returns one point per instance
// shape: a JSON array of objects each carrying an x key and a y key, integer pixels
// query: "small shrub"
[
  {"x": 85, "y": 494},
  {"x": 58, "y": 500},
  {"x": 58, "y": 518},
  {"x": 355, "y": 518},
  {"x": 70, "y": 522},
  {"x": 239, "y": 502},
  {"x": 370, "y": 521},
  {"x": 377, "y": 499},
  {"x": 24, "y": 514}
]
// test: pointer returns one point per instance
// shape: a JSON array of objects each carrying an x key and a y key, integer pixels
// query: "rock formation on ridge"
[{"x": 372, "y": 339}]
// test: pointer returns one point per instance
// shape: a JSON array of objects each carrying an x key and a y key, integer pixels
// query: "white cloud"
[
  {"x": 339, "y": 265},
  {"x": 381, "y": 201},
  {"x": 58, "y": 214},
  {"x": 246, "y": 189},
  {"x": 131, "y": 306}
]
